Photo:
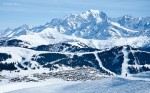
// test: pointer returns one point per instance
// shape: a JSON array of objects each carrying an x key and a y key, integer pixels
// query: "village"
[{"x": 77, "y": 74}]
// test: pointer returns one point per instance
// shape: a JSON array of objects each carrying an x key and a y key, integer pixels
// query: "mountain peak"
[
  {"x": 87, "y": 14},
  {"x": 8, "y": 29},
  {"x": 94, "y": 11},
  {"x": 25, "y": 26},
  {"x": 127, "y": 17}
]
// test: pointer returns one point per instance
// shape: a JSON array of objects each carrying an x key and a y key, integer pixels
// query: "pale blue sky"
[{"x": 14, "y": 13}]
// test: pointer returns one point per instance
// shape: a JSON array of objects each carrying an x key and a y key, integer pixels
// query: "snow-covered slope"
[
  {"x": 107, "y": 85},
  {"x": 34, "y": 40},
  {"x": 118, "y": 60}
]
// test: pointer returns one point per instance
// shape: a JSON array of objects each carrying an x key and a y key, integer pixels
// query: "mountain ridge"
[
  {"x": 90, "y": 27},
  {"x": 86, "y": 22}
]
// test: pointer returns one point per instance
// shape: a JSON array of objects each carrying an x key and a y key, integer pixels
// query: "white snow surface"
[
  {"x": 101, "y": 65},
  {"x": 52, "y": 36},
  {"x": 16, "y": 86},
  {"x": 135, "y": 84},
  {"x": 125, "y": 62},
  {"x": 17, "y": 53}
]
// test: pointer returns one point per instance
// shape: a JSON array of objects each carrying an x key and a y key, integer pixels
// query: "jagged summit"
[
  {"x": 142, "y": 24},
  {"x": 89, "y": 24},
  {"x": 90, "y": 12},
  {"x": 10, "y": 33},
  {"x": 25, "y": 26},
  {"x": 84, "y": 17}
]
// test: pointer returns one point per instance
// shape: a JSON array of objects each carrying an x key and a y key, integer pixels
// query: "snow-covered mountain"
[
  {"x": 11, "y": 33},
  {"x": 141, "y": 24},
  {"x": 118, "y": 60},
  {"x": 92, "y": 24},
  {"x": 111, "y": 45},
  {"x": 93, "y": 27}
]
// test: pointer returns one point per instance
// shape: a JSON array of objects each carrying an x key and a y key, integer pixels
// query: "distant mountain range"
[
  {"x": 92, "y": 24},
  {"x": 111, "y": 45}
]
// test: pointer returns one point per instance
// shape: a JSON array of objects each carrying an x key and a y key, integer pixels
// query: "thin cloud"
[{"x": 11, "y": 4}]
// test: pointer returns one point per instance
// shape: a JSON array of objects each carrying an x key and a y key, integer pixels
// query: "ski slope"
[{"x": 107, "y": 85}]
